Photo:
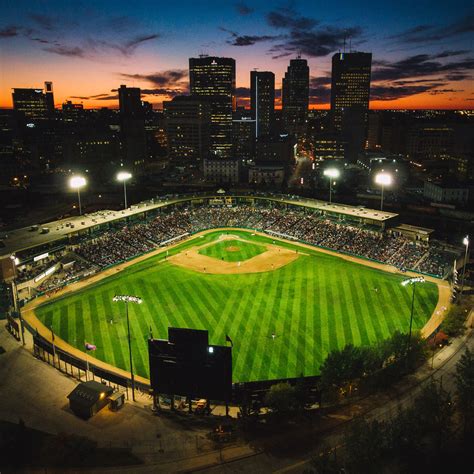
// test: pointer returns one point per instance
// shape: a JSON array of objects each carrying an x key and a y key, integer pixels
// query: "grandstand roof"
[
  {"x": 354, "y": 211},
  {"x": 24, "y": 238}
]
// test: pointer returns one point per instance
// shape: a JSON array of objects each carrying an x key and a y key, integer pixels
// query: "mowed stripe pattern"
[{"x": 313, "y": 305}]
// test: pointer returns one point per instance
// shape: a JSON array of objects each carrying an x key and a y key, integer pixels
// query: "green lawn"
[
  {"x": 315, "y": 304},
  {"x": 233, "y": 250}
]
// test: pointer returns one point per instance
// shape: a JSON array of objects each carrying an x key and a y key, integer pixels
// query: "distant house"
[{"x": 88, "y": 398}]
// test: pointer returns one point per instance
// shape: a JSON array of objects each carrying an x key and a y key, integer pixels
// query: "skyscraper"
[
  {"x": 262, "y": 101},
  {"x": 295, "y": 96},
  {"x": 214, "y": 78},
  {"x": 35, "y": 104},
  {"x": 187, "y": 120},
  {"x": 132, "y": 124},
  {"x": 350, "y": 87}
]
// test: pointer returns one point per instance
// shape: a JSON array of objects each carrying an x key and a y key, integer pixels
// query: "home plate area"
[{"x": 231, "y": 254}]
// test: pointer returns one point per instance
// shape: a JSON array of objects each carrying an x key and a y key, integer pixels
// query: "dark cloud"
[
  {"x": 162, "y": 91},
  {"x": 420, "y": 65},
  {"x": 432, "y": 33},
  {"x": 43, "y": 21},
  {"x": 108, "y": 97},
  {"x": 319, "y": 95},
  {"x": 242, "y": 92},
  {"x": 243, "y": 9},
  {"x": 305, "y": 35},
  {"x": 287, "y": 18},
  {"x": 315, "y": 43},
  {"x": 389, "y": 92},
  {"x": 449, "y": 53},
  {"x": 320, "y": 81},
  {"x": 320, "y": 89},
  {"x": 63, "y": 50},
  {"x": 444, "y": 91},
  {"x": 9, "y": 32},
  {"x": 131, "y": 45},
  {"x": 162, "y": 79},
  {"x": 105, "y": 96},
  {"x": 246, "y": 40}
]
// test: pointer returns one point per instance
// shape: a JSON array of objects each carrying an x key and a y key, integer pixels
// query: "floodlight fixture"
[{"x": 78, "y": 182}]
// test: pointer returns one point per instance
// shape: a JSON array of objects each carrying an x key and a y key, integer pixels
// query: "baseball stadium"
[{"x": 284, "y": 280}]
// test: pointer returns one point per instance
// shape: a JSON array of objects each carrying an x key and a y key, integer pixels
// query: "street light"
[
  {"x": 129, "y": 299},
  {"x": 465, "y": 241},
  {"x": 384, "y": 179},
  {"x": 331, "y": 173},
  {"x": 412, "y": 281},
  {"x": 124, "y": 176},
  {"x": 78, "y": 182}
]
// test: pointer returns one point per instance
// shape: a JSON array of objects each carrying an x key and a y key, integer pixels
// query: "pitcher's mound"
[{"x": 275, "y": 257}]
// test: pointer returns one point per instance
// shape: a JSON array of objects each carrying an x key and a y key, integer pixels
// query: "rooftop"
[{"x": 30, "y": 237}]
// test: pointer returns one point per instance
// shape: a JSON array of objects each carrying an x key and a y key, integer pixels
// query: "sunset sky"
[{"x": 422, "y": 51}]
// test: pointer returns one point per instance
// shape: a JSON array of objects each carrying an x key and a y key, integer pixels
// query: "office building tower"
[
  {"x": 350, "y": 90},
  {"x": 35, "y": 104},
  {"x": 132, "y": 126},
  {"x": 243, "y": 134},
  {"x": 350, "y": 87},
  {"x": 214, "y": 78},
  {"x": 72, "y": 112},
  {"x": 187, "y": 122},
  {"x": 49, "y": 96},
  {"x": 262, "y": 101},
  {"x": 295, "y": 96}
]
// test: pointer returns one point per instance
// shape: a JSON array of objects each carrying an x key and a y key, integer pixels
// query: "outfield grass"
[
  {"x": 233, "y": 250},
  {"x": 315, "y": 304}
]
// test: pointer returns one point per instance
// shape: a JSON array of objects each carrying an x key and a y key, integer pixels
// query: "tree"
[
  {"x": 280, "y": 399},
  {"x": 324, "y": 463},
  {"x": 465, "y": 389},
  {"x": 453, "y": 324},
  {"x": 365, "y": 446},
  {"x": 433, "y": 410},
  {"x": 342, "y": 367}
]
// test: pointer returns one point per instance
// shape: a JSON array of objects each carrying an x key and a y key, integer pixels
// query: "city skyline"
[{"x": 421, "y": 54}]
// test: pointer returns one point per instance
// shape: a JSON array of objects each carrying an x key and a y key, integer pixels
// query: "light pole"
[
  {"x": 129, "y": 299},
  {"x": 16, "y": 301},
  {"x": 466, "y": 243},
  {"x": 384, "y": 179},
  {"x": 78, "y": 182},
  {"x": 331, "y": 173},
  {"x": 124, "y": 176},
  {"x": 412, "y": 281}
]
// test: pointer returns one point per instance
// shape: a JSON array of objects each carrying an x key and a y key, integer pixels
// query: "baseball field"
[{"x": 284, "y": 306}]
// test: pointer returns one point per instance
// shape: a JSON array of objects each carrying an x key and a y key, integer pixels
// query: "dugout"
[{"x": 88, "y": 398}]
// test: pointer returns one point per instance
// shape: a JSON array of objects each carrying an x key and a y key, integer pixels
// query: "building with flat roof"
[
  {"x": 35, "y": 104},
  {"x": 295, "y": 96},
  {"x": 262, "y": 101},
  {"x": 213, "y": 78}
]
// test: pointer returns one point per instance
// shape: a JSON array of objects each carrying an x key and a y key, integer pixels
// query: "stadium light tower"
[
  {"x": 331, "y": 173},
  {"x": 16, "y": 302},
  {"x": 384, "y": 179},
  {"x": 124, "y": 176},
  {"x": 412, "y": 281},
  {"x": 129, "y": 299},
  {"x": 465, "y": 241},
  {"x": 78, "y": 182}
]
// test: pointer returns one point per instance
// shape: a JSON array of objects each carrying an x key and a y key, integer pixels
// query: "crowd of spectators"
[
  {"x": 64, "y": 276},
  {"x": 123, "y": 244}
]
